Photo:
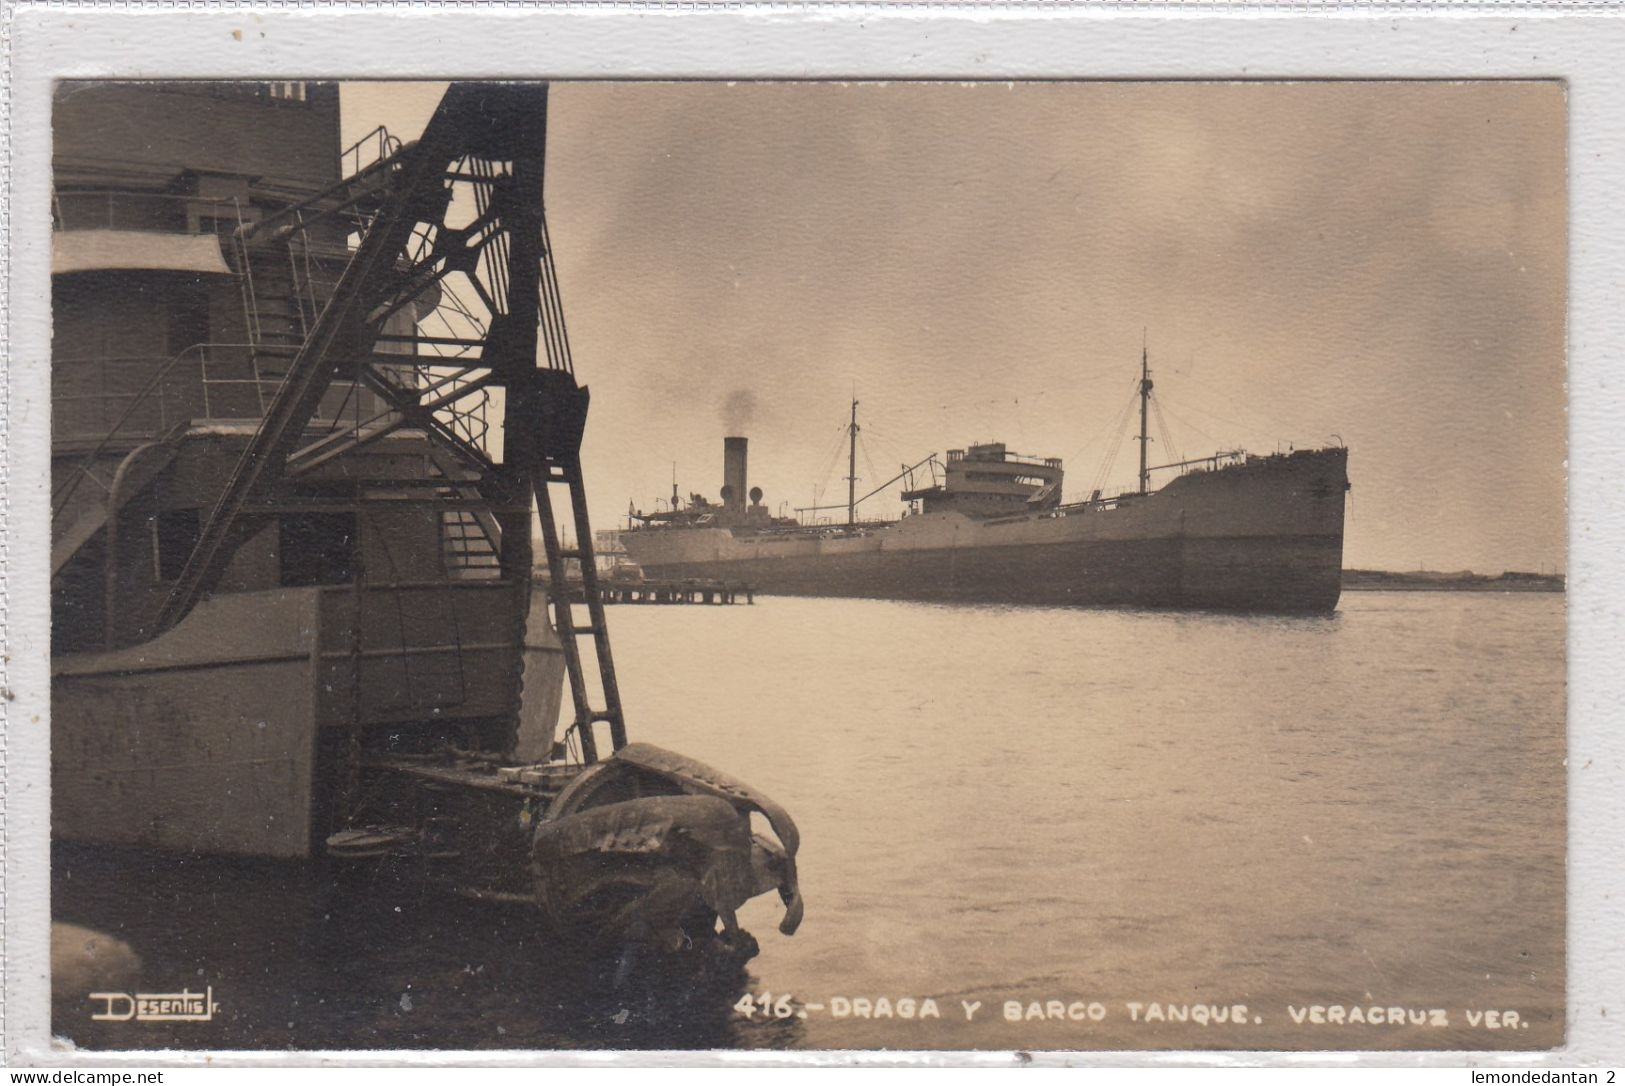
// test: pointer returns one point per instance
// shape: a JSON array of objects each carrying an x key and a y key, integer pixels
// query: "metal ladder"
[
  {"x": 467, "y": 546},
  {"x": 251, "y": 318},
  {"x": 567, "y": 470}
]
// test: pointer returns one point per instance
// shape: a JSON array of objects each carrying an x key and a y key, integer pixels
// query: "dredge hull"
[{"x": 1265, "y": 536}]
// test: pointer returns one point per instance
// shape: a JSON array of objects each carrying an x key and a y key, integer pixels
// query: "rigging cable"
[
  {"x": 829, "y": 464},
  {"x": 1186, "y": 423},
  {"x": 1167, "y": 434},
  {"x": 864, "y": 448},
  {"x": 1232, "y": 422},
  {"x": 1115, "y": 446},
  {"x": 1278, "y": 425}
]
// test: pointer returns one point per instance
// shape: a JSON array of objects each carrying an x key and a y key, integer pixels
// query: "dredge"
[{"x": 306, "y": 404}]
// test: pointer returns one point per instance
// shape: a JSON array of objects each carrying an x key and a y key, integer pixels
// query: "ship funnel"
[{"x": 733, "y": 472}]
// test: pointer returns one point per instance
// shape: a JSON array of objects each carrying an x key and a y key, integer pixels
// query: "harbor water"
[{"x": 1023, "y": 828}]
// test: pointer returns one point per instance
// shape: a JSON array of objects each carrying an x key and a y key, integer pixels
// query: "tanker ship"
[{"x": 1229, "y": 532}]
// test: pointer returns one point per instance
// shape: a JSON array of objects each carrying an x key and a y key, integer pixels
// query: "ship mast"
[
  {"x": 852, "y": 468},
  {"x": 1145, "y": 397}
]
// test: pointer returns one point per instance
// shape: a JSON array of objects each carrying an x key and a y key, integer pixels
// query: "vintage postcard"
[{"x": 750, "y": 565}]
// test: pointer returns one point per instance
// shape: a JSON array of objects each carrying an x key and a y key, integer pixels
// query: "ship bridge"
[{"x": 990, "y": 480}]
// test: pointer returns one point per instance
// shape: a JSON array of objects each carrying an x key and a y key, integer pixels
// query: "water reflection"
[{"x": 998, "y": 805}]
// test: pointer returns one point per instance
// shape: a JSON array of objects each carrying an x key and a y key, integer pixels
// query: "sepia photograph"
[{"x": 1070, "y": 565}]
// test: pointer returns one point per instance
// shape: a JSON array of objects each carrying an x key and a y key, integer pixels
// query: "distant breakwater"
[{"x": 1372, "y": 580}]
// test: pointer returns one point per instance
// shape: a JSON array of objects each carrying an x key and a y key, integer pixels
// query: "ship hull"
[
  {"x": 1290, "y": 576},
  {"x": 1266, "y": 536},
  {"x": 222, "y": 734}
]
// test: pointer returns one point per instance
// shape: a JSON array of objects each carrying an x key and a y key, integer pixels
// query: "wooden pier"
[
  {"x": 712, "y": 592},
  {"x": 716, "y": 593}
]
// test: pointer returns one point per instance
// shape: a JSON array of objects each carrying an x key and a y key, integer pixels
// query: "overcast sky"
[{"x": 1384, "y": 262}]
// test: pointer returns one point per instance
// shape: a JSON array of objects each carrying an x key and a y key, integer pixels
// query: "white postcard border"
[{"x": 1580, "y": 43}]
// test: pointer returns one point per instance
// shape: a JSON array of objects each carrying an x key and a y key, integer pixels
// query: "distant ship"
[{"x": 1230, "y": 532}]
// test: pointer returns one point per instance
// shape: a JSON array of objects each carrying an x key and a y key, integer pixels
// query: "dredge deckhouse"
[{"x": 307, "y": 401}]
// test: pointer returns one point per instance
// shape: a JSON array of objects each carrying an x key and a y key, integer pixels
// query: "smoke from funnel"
[{"x": 738, "y": 409}]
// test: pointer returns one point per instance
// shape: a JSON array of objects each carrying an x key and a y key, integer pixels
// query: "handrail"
[
  {"x": 122, "y": 358},
  {"x": 276, "y": 220},
  {"x": 472, "y": 421},
  {"x": 1222, "y": 454},
  {"x": 111, "y": 197},
  {"x": 153, "y": 382},
  {"x": 138, "y": 398},
  {"x": 1007, "y": 458},
  {"x": 386, "y": 145}
]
